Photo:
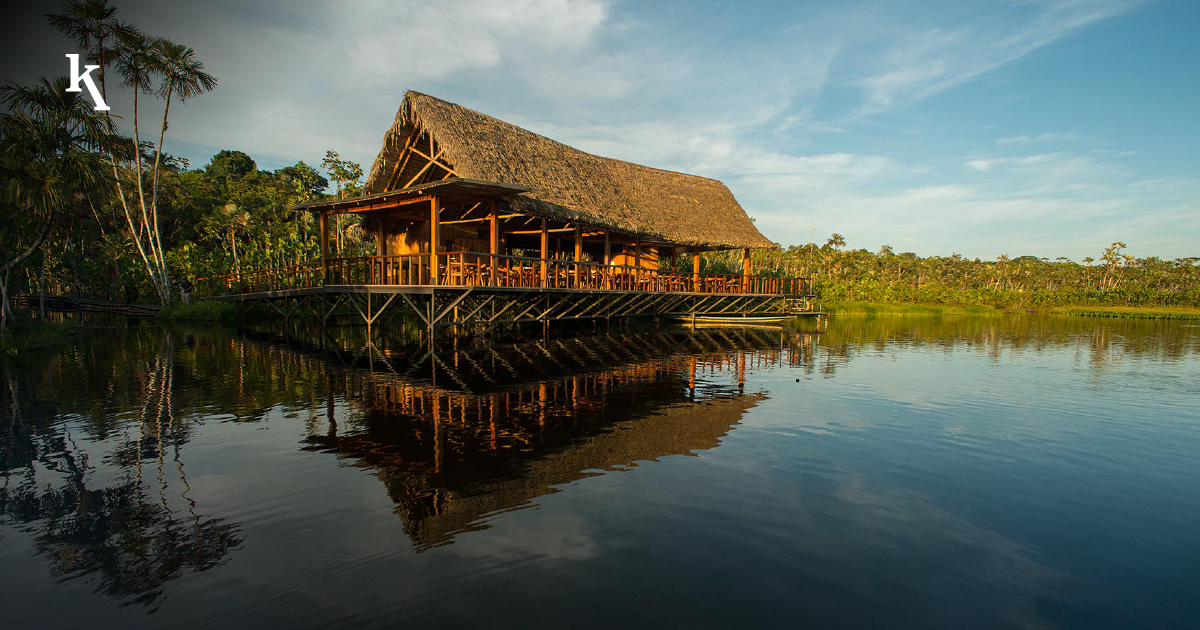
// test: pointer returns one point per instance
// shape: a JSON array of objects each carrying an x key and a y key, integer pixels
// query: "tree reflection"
[{"x": 129, "y": 520}]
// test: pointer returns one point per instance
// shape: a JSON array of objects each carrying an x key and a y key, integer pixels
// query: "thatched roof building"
[{"x": 563, "y": 183}]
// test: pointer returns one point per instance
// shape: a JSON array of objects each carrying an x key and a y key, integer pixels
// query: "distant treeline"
[{"x": 1114, "y": 279}]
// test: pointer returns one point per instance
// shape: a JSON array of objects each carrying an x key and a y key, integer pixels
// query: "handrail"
[{"x": 461, "y": 269}]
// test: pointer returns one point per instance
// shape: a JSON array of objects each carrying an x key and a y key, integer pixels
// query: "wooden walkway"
[{"x": 486, "y": 290}]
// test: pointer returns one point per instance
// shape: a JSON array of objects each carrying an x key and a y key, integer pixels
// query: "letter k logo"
[{"x": 86, "y": 77}]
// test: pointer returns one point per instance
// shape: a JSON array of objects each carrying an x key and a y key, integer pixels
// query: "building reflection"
[{"x": 460, "y": 436}]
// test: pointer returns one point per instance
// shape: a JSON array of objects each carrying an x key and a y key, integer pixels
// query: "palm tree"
[
  {"x": 50, "y": 144},
  {"x": 139, "y": 60},
  {"x": 182, "y": 75},
  {"x": 836, "y": 241}
]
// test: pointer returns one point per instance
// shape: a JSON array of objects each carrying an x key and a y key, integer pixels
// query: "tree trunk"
[
  {"x": 154, "y": 194},
  {"x": 42, "y": 289},
  {"x": 4, "y": 300}
]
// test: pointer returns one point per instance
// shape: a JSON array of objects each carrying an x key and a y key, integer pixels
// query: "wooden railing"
[{"x": 461, "y": 269}]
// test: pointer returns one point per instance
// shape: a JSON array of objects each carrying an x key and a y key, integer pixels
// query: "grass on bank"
[
  {"x": 1134, "y": 312},
  {"x": 31, "y": 334},
  {"x": 199, "y": 311},
  {"x": 867, "y": 309}
]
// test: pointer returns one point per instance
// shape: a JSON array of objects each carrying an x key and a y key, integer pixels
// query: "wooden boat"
[{"x": 773, "y": 320}]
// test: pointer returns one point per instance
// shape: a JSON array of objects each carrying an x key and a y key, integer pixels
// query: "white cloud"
[
  {"x": 1042, "y": 137},
  {"x": 432, "y": 40}
]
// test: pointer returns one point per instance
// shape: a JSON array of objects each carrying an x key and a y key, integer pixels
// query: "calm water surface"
[{"x": 1023, "y": 472}]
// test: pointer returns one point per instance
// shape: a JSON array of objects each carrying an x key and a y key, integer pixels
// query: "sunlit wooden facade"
[{"x": 507, "y": 225}]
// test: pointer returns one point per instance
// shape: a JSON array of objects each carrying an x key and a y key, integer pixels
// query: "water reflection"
[
  {"x": 127, "y": 520},
  {"x": 1102, "y": 343},
  {"x": 516, "y": 421},
  {"x": 150, "y": 465}
]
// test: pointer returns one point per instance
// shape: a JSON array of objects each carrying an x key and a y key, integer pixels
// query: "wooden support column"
[
  {"x": 607, "y": 261},
  {"x": 435, "y": 207},
  {"x": 746, "y": 270},
  {"x": 545, "y": 253},
  {"x": 494, "y": 242},
  {"x": 578, "y": 255},
  {"x": 637, "y": 252},
  {"x": 324, "y": 247},
  {"x": 695, "y": 269},
  {"x": 384, "y": 269}
]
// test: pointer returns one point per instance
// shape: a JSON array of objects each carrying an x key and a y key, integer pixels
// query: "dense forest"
[
  {"x": 1113, "y": 278},
  {"x": 87, "y": 210}
]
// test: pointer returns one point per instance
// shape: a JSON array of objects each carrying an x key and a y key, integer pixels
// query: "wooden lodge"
[{"x": 478, "y": 221}]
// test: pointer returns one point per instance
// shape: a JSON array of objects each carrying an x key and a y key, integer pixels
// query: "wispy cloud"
[
  {"x": 1041, "y": 137},
  {"x": 927, "y": 61}
]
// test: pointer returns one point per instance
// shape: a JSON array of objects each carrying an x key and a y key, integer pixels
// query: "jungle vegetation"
[{"x": 1114, "y": 278}]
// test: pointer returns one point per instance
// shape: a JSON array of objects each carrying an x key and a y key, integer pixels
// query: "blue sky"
[{"x": 1042, "y": 127}]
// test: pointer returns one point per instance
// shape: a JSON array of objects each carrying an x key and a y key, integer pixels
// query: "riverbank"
[
  {"x": 1136, "y": 312},
  {"x": 868, "y": 309},
  {"x": 32, "y": 334},
  {"x": 207, "y": 311}
]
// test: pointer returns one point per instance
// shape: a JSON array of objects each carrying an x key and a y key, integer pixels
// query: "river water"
[{"x": 891, "y": 472}]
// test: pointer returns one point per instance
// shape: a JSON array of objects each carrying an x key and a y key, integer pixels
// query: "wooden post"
[
  {"x": 435, "y": 207},
  {"x": 741, "y": 368},
  {"x": 578, "y": 255},
  {"x": 324, "y": 248},
  {"x": 495, "y": 240},
  {"x": 695, "y": 269},
  {"x": 746, "y": 270},
  {"x": 381, "y": 250},
  {"x": 637, "y": 252},
  {"x": 607, "y": 261},
  {"x": 545, "y": 247}
]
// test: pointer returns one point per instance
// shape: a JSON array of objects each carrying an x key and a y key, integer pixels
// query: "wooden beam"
[
  {"x": 382, "y": 205},
  {"x": 746, "y": 269},
  {"x": 494, "y": 241},
  {"x": 401, "y": 161},
  {"x": 545, "y": 247},
  {"x": 435, "y": 208},
  {"x": 578, "y": 254},
  {"x": 423, "y": 168},
  {"x": 487, "y": 218},
  {"x": 324, "y": 247},
  {"x": 637, "y": 252},
  {"x": 542, "y": 230},
  {"x": 607, "y": 249},
  {"x": 434, "y": 160},
  {"x": 695, "y": 269}
]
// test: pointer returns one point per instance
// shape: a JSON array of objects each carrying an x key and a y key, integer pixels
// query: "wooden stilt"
[{"x": 435, "y": 208}]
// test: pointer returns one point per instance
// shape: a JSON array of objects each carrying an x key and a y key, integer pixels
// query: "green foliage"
[
  {"x": 199, "y": 311},
  {"x": 1006, "y": 284},
  {"x": 27, "y": 333}
]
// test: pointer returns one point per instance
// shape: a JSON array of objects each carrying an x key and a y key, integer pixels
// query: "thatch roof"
[{"x": 568, "y": 184}]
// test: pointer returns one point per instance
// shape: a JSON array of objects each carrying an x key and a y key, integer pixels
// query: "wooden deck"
[{"x": 470, "y": 288}]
